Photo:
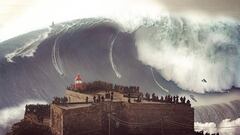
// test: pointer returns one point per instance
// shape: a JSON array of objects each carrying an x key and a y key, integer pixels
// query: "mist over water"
[{"x": 11, "y": 115}]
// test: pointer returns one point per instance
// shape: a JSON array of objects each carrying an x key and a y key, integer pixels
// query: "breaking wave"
[
  {"x": 187, "y": 52},
  {"x": 28, "y": 49}
]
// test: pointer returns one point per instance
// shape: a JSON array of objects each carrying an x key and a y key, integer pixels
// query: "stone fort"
[{"x": 101, "y": 108}]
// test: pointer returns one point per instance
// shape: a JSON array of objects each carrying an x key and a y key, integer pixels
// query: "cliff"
[{"x": 29, "y": 128}]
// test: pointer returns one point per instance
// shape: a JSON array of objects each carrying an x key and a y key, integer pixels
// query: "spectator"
[
  {"x": 86, "y": 99},
  {"x": 102, "y": 98},
  {"x": 94, "y": 99}
]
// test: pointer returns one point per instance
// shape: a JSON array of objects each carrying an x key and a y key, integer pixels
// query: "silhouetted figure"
[
  {"x": 99, "y": 98},
  {"x": 204, "y": 80},
  {"x": 166, "y": 98},
  {"x": 181, "y": 99},
  {"x": 147, "y": 96},
  {"x": 188, "y": 102},
  {"x": 112, "y": 96},
  {"x": 102, "y": 98},
  {"x": 170, "y": 99},
  {"x": 108, "y": 95},
  {"x": 64, "y": 100},
  {"x": 161, "y": 100},
  {"x": 153, "y": 97},
  {"x": 177, "y": 99},
  {"x": 94, "y": 99},
  {"x": 129, "y": 100},
  {"x": 86, "y": 99}
]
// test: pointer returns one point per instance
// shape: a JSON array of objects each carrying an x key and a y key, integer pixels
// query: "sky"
[{"x": 21, "y": 16}]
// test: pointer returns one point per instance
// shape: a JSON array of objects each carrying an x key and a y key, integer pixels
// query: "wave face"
[
  {"x": 163, "y": 56},
  {"x": 81, "y": 46}
]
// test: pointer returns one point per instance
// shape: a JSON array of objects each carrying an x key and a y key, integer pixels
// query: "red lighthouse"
[{"x": 78, "y": 84}]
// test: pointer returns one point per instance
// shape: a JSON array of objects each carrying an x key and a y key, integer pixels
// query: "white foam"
[
  {"x": 226, "y": 127},
  {"x": 11, "y": 115},
  {"x": 187, "y": 52}
]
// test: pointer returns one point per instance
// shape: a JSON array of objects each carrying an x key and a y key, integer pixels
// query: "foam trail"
[
  {"x": 111, "y": 58},
  {"x": 158, "y": 84},
  {"x": 56, "y": 58}
]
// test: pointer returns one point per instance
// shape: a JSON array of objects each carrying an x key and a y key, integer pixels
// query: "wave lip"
[{"x": 28, "y": 49}]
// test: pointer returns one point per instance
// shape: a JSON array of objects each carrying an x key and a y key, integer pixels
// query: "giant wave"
[{"x": 165, "y": 55}]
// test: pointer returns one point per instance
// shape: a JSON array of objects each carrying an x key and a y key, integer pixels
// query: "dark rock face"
[{"x": 27, "y": 128}]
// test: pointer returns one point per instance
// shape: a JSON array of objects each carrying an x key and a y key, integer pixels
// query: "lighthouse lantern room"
[{"x": 78, "y": 84}]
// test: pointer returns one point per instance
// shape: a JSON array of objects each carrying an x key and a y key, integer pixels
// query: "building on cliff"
[{"x": 103, "y": 108}]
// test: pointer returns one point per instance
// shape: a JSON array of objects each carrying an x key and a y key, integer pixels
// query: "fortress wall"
[
  {"x": 77, "y": 97},
  {"x": 154, "y": 118},
  {"x": 126, "y": 118},
  {"x": 84, "y": 120},
  {"x": 56, "y": 120},
  {"x": 31, "y": 118},
  {"x": 37, "y": 114}
]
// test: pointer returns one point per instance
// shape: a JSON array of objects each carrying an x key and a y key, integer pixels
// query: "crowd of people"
[
  {"x": 167, "y": 99},
  {"x": 109, "y": 95},
  {"x": 202, "y": 133},
  {"x": 99, "y": 98},
  {"x": 60, "y": 100}
]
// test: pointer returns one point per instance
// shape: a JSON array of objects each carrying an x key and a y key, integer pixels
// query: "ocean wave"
[{"x": 187, "y": 52}]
